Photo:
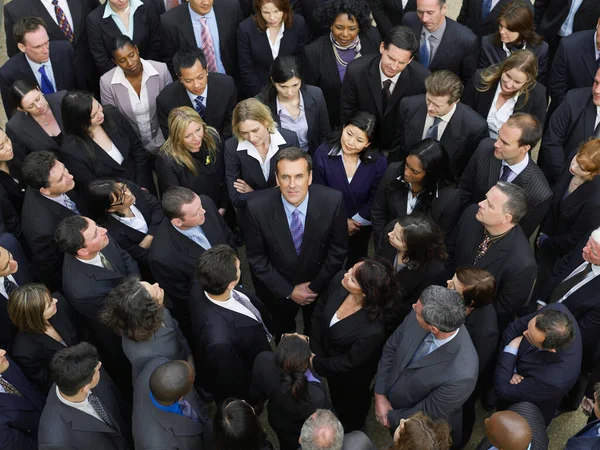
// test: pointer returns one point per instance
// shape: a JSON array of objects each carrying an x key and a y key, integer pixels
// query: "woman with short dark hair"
[{"x": 237, "y": 427}]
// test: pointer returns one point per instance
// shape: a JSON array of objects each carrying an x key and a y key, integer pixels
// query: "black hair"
[
  {"x": 402, "y": 37},
  {"x": 423, "y": 238},
  {"x": 216, "y": 268},
  {"x": 364, "y": 121},
  {"x": 118, "y": 42},
  {"x": 358, "y": 9},
  {"x": 174, "y": 198},
  {"x": 100, "y": 194},
  {"x": 20, "y": 89},
  {"x": 186, "y": 57},
  {"x": 292, "y": 358},
  {"x": 36, "y": 169},
  {"x": 69, "y": 234},
  {"x": 283, "y": 69},
  {"x": 26, "y": 25},
  {"x": 558, "y": 327},
  {"x": 74, "y": 367},
  {"x": 170, "y": 381},
  {"x": 375, "y": 276},
  {"x": 236, "y": 426}
]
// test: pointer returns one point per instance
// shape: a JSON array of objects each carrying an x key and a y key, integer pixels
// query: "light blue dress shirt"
[
  {"x": 197, "y": 235},
  {"x": 35, "y": 67},
  {"x": 211, "y": 19},
  {"x": 193, "y": 97},
  {"x": 567, "y": 26},
  {"x": 109, "y": 12},
  {"x": 289, "y": 209},
  {"x": 299, "y": 125}
]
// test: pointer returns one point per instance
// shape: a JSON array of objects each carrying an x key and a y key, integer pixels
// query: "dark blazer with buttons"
[
  {"x": 319, "y": 68},
  {"x": 579, "y": 442},
  {"x": 101, "y": 31},
  {"x": 254, "y": 52},
  {"x": 226, "y": 341},
  {"x": 315, "y": 109},
  {"x": 361, "y": 91},
  {"x": 173, "y": 256},
  {"x": 510, "y": 261},
  {"x": 482, "y": 326},
  {"x": 238, "y": 164},
  {"x": 389, "y": 13},
  {"x": 481, "y": 102},
  {"x": 17, "y": 68},
  {"x": 34, "y": 351},
  {"x": 549, "y": 16},
  {"x": 84, "y": 167},
  {"x": 62, "y": 426},
  {"x": 470, "y": 16},
  {"x": 547, "y": 376},
  {"x": 19, "y": 416},
  {"x": 28, "y": 136},
  {"x": 221, "y": 99},
  {"x": 483, "y": 172},
  {"x": 491, "y": 54},
  {"x": 457, "y": 51},
  {"x": 462, "y": 135},
  {"x": 177, "y": 32},
  {"x": 155, "y": 428}
]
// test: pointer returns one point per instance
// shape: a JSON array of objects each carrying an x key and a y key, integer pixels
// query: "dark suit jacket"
[
  {"x": 510, "y": 260},
  {"x": 362, "y": 91},
  {"x": 319, "y": 68},
  {"x": 457, "y": 52},
  {"x": 491, "y": 54},
  {"x": 438, "y": 384},
  {"x": 388, "y": 13},
  {"x": 352, "y": 347},
  {"x": 357, "y": 440},
  {"x": 19, "y": 416},
  {"x": 461, "y": 137},
  {"x": 270, "y": 250},
  {"x": 547, "y": 376},
  {"x": 173, "y": 256},
  {"x": 28, "y": 136},
  {"x": 226, "y": 341},
  {"x": 101, "y": 31},
  {"x": 83, "y": 64},
  {"x": 571, "y": 125},
  {"x": 579, "y": 442},
  {"x": 549, "y": 15},
  {"x": 470, "y": 16},
  {"x": 483, "y": 172},
  {"x": 534, "y": 418},
  {"x": 34, "y": 351},
  {"x": 360, "y": 192},
  {"x": 315, "y": 110},
  {"x": 17, "y": 68},
  {"x": 238, "y": 164},
  {"x": 482, "y": 326},
  {"x": 40, "y": 217},
  {"x": 62, "y": 426},
  {"x": 574, "y": 66},
  {"x": 221, "y": 99},
  {"x": 254, "y": 52},
  {"x": 135, "y": 166},
  {"x": 154, "y": 428},
  {"x": 481, "y": 102},
  {"x": 177, "y": 32}
]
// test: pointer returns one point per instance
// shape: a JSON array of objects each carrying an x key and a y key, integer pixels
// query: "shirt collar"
[
  {"x": 193, "y": 96},
  {"x": 148, "y": 71},
  {"x": 279, "y": 104},
  {"x": 133, "y": 5},
  {"x": 174, "y": 408},
  {"x": 289, "y": 208},
  {"x": 36, "y": 66},
  {"x": 440, "y": 342},
  {"x": 195, "y": 16},
  {"x": 384, "y": 77},
  {"x": 191, "y": 232},
  {"x": 518, "y": 167},
  {"x": 446, "y": 117},
  {"x": 276, "y": 140}
]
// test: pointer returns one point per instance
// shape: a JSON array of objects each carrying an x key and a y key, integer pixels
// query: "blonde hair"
[
  {"x": 522, "y": 60},
  {"x": 179, "y": 119},
  {"x": 251, "y": 109},
  {"x": 588, "y": 156}
]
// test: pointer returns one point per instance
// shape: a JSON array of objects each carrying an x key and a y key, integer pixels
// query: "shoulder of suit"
[
  {"x": 169, "y": 17},
  {"x": 264, "y": 200},
  {"x": 362, "y": 63},
  {"x": 472, "y": 116},
  {"x": 321, "y": 191},
  {"x": 221, "y": 78},
  {"x": 576, "y": 39},
  {"x": 412, "y": 102},
  {"x": 485, "y": 148},
  {"x": 463, "y": 33},
  {"x": 577, "y": 96}
]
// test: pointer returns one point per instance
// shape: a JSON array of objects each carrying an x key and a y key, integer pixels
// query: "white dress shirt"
[
  {"x": 95, "y": 261},
  {"x": 64, "y": 6},
  {"x": 445, "y": 119},
  {"x": 233, "y": 305},
  {"x": 497, "y": 117},
  {"x": 589, "y": 277},
  {"x": 137, "y": 222},
  {"x": 115, "y": 154},
  {"x": 275, "y": 45},
  {"x": 2, "y": 290},
  {"x": 109, "y": 12},
  {"x": 597, "y": 121},
  {"x": 83, "y": 406},
  {"x": 276, "y": 140},
  {"x": 516, "y": 169}
]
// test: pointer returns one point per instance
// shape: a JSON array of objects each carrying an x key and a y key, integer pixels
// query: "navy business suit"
[
  {"x": 580, "y": 442},
  {"x": 388, "y": 13},
  {"x": 549, "y": 15}
]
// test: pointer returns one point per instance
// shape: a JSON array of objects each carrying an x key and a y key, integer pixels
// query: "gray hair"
[
  {"x": 322, "y": 431},
  {"x": 516, "y": 205},
  {"x": 442, "y": 308}
]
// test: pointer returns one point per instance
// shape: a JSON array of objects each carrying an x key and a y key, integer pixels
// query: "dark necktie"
[
  {"x": 199, "y": 106},
  {"x": 95, "y": 403},
  {"x": 506, "y": 171},
  {"x": 486, "y": 8},
  {"x": 9, "y": 286},
  {"x": 250, "y": 307},
  {"x": 424, "y": 53},
  {"x": 63, "y": 22},
  {"x": 564, "y": 287},
  {"x": 46, "y": 84},
  {"x": 297, "y": 230},
  {"x": 597, "y": 131},
  {"x": 106, "y": 263},
  {"x": 385, "y": 93},
  {"x": 9, "y": 388},
  {"x": 482, "y": 249},
  {"x": 188, "y": 411},
  {"x": 433, "y": 129}
]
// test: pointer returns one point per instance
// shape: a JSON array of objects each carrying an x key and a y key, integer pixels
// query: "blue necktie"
[
  {"x": 486, "y": 8},
  {"x": 199, "y": 106},
  {"x": 188, "y": 411},
  {"x": 200, "y": 238},
  {"x": 423, "y": 350},
  {"x": 46, "y": 86},
  {"x": 424, "y": 52},
  {"x": 70, "y": 204},
  {"x": 433, "y": 129},
  {"x": 297, "y": 230}
]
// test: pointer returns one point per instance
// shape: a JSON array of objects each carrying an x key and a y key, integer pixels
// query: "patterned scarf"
[{"x": 354, "y": 45}]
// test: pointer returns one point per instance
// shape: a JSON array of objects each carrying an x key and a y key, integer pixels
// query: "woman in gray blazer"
[{"x": 132, "y": 88}]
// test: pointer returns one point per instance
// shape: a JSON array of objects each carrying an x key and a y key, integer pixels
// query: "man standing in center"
[{"x": 297, "y": 239}]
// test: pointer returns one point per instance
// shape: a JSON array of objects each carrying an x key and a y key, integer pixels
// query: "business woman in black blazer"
[
  {"x": 324, "y": 61},
  {"x": 243, "y": 173},
  {"x": 11, "y": 180},
  {"x": 294, "y": 391},
  {"x": 113, "y": 150},
  {"x": 348, "y": 333},
  {"x": 102, "y": 27},
  {"x": 131, "y": 216},
  {"x": 515, "y": 76},
  {"x": 256, "y": 36},
  {"x": 287, "y": 96},
  {"x": 44, "y": 324}
]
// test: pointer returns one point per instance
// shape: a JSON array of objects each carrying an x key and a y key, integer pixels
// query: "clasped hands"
[{"x": 303, "y": 295}]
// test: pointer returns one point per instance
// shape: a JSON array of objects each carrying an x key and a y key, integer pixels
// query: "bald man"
[
  {"x": 322, "y": 430},
  {"x": 506, "y": 430}
]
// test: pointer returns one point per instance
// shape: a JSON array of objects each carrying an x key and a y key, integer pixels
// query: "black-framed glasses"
[{"x": 122, "y": 194}]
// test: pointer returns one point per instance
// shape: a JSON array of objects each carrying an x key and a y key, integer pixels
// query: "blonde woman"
[
  {"x": 249, "y": 154},
  {"x": 506, "y": 88},
  {"x": 192, "y": 157}
]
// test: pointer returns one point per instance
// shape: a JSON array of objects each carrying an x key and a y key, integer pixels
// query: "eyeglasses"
[{"x": 123, "y": 191}]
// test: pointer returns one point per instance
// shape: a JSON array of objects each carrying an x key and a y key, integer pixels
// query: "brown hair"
[
  {"x": 443, "y": 82},
  {"x": 480, "y": 286},
  {"x": 420, "y": 432},
  {"x": 282, "y": 5},
  {"x": 522, "y": 60},
  {"x": 26, "y": 307},
  {"x": 251, "y": 109},
  {"x": 588, "y": 156},
  {"x": 518, "y": 18}
]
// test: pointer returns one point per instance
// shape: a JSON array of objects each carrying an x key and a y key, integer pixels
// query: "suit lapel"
[
  {"x": 590, "y": 119},
  {"x": 186, "y": 27},
  {"x": 185, "y": 244},
  {"x": 486, "y": 99},
  {"x": 122, "y": 93},
  {"x": 524, "y": 178},
  {"x": 494, "y": 171},
  {"x": 310, "y": 110},
  {"x": 311, "y": 229},
  {"x": 153, "y": 87},
  {"x": 589, "y": 58},
  {"x": 281, "y": 230},
  {"x": 329, "y": 62},
  {"x": 375, "y": 85}
]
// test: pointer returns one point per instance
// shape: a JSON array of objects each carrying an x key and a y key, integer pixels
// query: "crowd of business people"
[{"x": 373, "y": 162}]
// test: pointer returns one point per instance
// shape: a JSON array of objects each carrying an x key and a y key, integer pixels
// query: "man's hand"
[
  {"x": 382, "y": 407},
  {"x": 516, "y": 342},
  {"x": 516, "y": 378},
  {"x": 353, "y": 227},
  {"x": 302, "y": 294},
  {"x": 222, "y": 211},
  {"x": 146, "y": 242},
  {"x": 587, "y": 405}
]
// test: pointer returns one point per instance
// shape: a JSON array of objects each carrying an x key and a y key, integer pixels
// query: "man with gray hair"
[
  {"x": 429, "y": 364},
  {"x": 322, "y": 431}
]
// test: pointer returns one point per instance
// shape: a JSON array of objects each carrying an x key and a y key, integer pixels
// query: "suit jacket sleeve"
[
  {"x": 384, "y": 24},
  {"x": 322, "y": 115},
  {"x": 248, "y": 75},
  {"x": 96, "y": 42},
  {"x": 470, "y": 93},
  {"x": 169, "y": 41},
  {"x": 153, "y": 25},
  {"x": 538, "y": 99},
  {"x": 9, "y": 23},
  {"x": 227, "y": 132},
  {"x": 30, "y": 362},
  {"x": 156, "y": 210},
  {"x": 539, "y": 9},
  {"x": 14, "y": 439},
  {"x": 232, "y": 173},
  {"x": 463, "y": 15},
  {"x": 349, "y": 97},
  {"x": 166, "y": 173},
  {"x": 468, "y": 65},
  {"x": 559, "y": 75},
  {"x": 516, "y": 289},
  {"x": 387, "y": 361},
  {"x": 552, "y": 144},
  {"x": 562, "y": 244}
]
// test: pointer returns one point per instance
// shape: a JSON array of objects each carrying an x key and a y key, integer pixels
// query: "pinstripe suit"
[{"x": 483, "y": 171}]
